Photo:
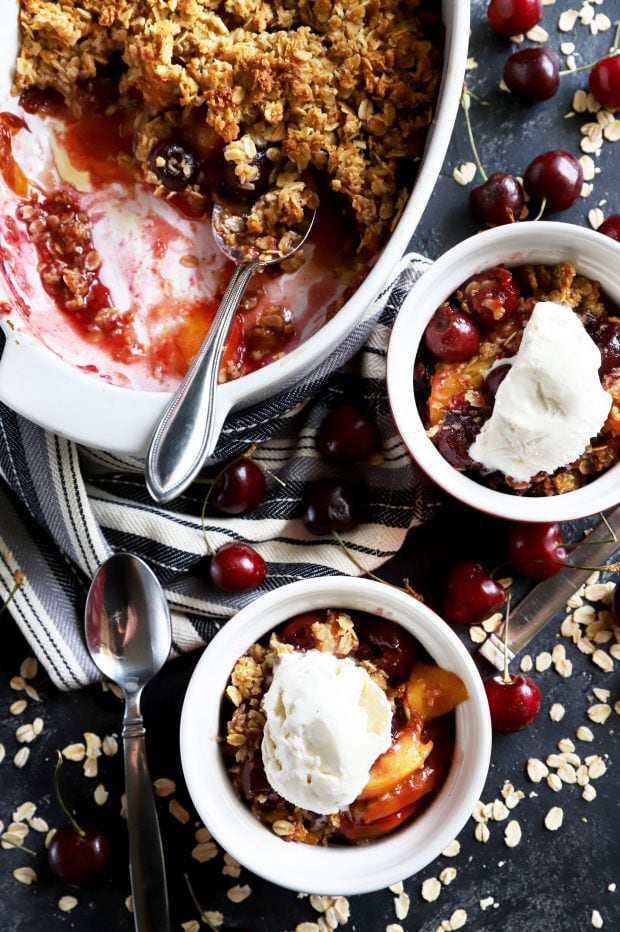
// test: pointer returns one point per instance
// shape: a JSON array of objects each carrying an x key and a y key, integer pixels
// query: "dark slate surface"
[{"x": 551, "y": 882}]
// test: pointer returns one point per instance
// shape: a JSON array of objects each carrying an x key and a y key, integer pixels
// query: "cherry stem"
[
  {"x": 506, "y": 620},
  {"x": 465, "y": 98},
  {"x": 541, "y": 211},
  {"x": 61, "y": 801},
  {"x": 613, "y": 51},
  {"x": 18, "y": 576},
  {"x": 201, "y": 911},
  {"x": 404, "y": 588},
  {"x": 9, "y": 841},
  {"x": 212, "y": 483}
]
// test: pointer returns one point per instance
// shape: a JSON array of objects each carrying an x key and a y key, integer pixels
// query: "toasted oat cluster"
[{"x": 343, "y": 89}]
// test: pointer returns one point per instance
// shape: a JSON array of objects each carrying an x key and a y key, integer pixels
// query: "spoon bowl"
[{"x": 129, "y": 635}]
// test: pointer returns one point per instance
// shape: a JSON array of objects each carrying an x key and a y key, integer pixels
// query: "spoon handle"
[
  {"x": 146, "y": 856},
  {"x": 188, "y": 430}
]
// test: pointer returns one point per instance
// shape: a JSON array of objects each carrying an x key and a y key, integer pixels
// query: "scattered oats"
[
  {"x": 93, "y": 744},
  {"x": 603, "y": 660},
  {"x": 29, "y": 668},
  {"x": 554, "y": 818},
  {"x": 512, "y": 834},
  {"x": 602, "y": 694},
  {"x": 582, "y": 775},
  {"x": 567, "y": 773},
  {"x": 616, "y": 710},
  {"x": 593, "y": 578},
  {"x": 109, "y": 746},
  {"x": 459, "y": 916},
  {"x": 565, "y": 744},
  {"x": 536, "y": 770},
  {"x": 75, "y": 752},
  {"x": 37, "y": 726},
  {"x": 465, "y": 173},
  {"x": 571, "y": 758},
  {"x": 164, "y": 787},
  {"x": 38, "y": 824},
  {"x": 21, "y": 757},
  {"x": 447, "y": 875},
  {"x": 543, "y": 661},
  {"x": 596, "y": 919},
  {"x": 558, "y": 653},
  {"x": 586, "y": 189},
  {"x": 393, "y": 927},
  {"x": 526, "y": 663},
  {"x": 567, "y": 48},
  {"x": 214, "y": 917},
  {"x": 486, "y": 902},
  {"x": 614, "y": 650},
  {"x": 100, "y": 794},
  {"x": 2, "y": 752},
  {"x": 24, "y": 813},
  {"x": 17, "y": 683},
  {"x": 513, "y": 799},
  {"x": 589, "y": 793},
  {"x": 499, "y": 811},
  {"x": 584, "y": 614},
  {"x": 481, "y": 832},
  {"x": 32, "y": 693},
  {"x": 611, "y": 132},
  {"x": 554, "y": 783},
  {"x": 16, "y": 708},
  {"x": 599, "y": 712},
  {"x": 205, "y": 851},
  {"x": 603, "y": 22},
  {"x": 67, "y": 903},
  {"x": 402, "y": 903},
  {"x": 319, "y": 903},
  {"x": 91, "y": 767},
  {"x": 537, "y": 34},
  {"x": 308, "y": 927},
  {"x": 477, "y": 634},
  {"x": 431, "y": 888},
  {"x": 598, "y": 592},
  {"x": 191, "y": 926},
  {"x": 451, "y": 850},
  {"x": 25, "y": 734},
  {"x": 239, "y": 893},
  {"x": 506, "y": 581},
  {"x": 567, "y": 20},
  {"x": 25, "y": 875},
  {"x": 178, "y": 811},
  {"x": 596, "y": 767},
  {"x": 471, "y": 64},
  {"x": 493, "y": 623},
  {"x": 49, "y": 837},
  {"x": 397, "y": 887},
  {"x": 586, "y": 14},
  {"x": 611, "y": 887}
]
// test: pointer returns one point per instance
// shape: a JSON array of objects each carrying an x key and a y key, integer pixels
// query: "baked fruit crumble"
[
  {"x": 469, "y": 347},
  {"x": 281, "y": 106},
  {"x": 317, "y": 752}
]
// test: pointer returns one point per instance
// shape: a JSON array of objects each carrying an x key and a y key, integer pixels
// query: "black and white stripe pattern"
[{"x": 70, "y": 508}]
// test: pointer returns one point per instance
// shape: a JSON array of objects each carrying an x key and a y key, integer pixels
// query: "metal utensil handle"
[
  {"x": 188, "y": 429},
  {"x": 146, "y": 856}
]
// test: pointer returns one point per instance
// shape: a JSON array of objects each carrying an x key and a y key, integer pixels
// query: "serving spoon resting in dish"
[{"x": 189, "y": 427}]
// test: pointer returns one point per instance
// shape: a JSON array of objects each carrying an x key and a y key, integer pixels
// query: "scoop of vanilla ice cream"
[
  {"x": 326, "y": 724},
  {"x": 551, "y": 403}
]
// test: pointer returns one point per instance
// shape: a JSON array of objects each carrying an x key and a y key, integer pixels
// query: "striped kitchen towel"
[{"x": 68, "y": 508}]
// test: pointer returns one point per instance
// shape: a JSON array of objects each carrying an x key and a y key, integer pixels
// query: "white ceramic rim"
[
  {"x": 39, "y": 385},
  {"x": 343, "y": 870},
  {"x": 594, "y": 255}
]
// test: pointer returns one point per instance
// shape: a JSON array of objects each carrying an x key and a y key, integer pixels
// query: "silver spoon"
[
  {"x": 188, "y": 430},
  {"x": 128, "y": 634}
]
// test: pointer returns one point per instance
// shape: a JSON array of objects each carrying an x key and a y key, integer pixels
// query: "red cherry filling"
[
  {"x": 604, "y": 82},
  {"x": 607, "y": 338},
  {"x": 78, "y": 858},
  {"x": 491, "y": 296},
  {"x": 533, "y": 74},
  {"x": 239, "y": 487},
  {"x": 497, "y": 201},
  {"x": 536, "y": 550},
  {"x": 455, "y": 436},
  {"x": 514, "y": 704},
  {"x": 388, "y": 646},
  {"x": 347, "y": 436},
  {"x": 298, "y": 631},
  {"x": 471, "y": 595},
  {"x": 451, "y": 335},
  {"x": 494, "y": 378},
  {"x": 556, "y": 177},
  {"x": 236, "y": 567},
  {"x": 510, "y": 17}
]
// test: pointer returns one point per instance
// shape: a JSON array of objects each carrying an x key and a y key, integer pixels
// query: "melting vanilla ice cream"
[
  {"x": 326, "y": 724},
  {"x": 551, "y": 403}
]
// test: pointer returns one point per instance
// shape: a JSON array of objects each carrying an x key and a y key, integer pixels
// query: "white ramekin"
[
  {"x": 339, "y": 869},
  {"x": 595, "y": 256},
  {"x": 41, "y": 386}
]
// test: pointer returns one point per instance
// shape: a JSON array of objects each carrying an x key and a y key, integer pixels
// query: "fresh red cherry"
[
  {"x": 555, "y": 176},
  {"x": 451, "y": 335},
  {"x": 78, "y": 857},
  {"x": 239, "y": 487},
  {"x": 513, "y": 704},
  {"x": 497, "y": 201},
  {"x": 536, "y": 550},
  {"x": 236, "y": 567},
  {"x": 611, "y": 227},
  {"x": 494, "y": 378},
  {"x": 491, "y": 296},
  {"x": 388, "y": 646},
  {"x": 533, "y": 74},
  {"x": 510, "y": 17},
  {"x": 604, "y": 82},
  {"x": 454, "y": 438},
  {"x": 331, "y": 505},
  {"x": 298, "y": 631},
  {"x": 471, "y": 595},
  {"x": 347, "y": 436}
]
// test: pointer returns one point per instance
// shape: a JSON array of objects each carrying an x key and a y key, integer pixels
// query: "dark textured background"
[{"x": 552, "y": 881}]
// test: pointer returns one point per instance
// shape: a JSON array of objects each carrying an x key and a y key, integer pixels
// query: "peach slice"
[
  {"x": 433, "y": 691},
  {"x": 408, "y": 753}
]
